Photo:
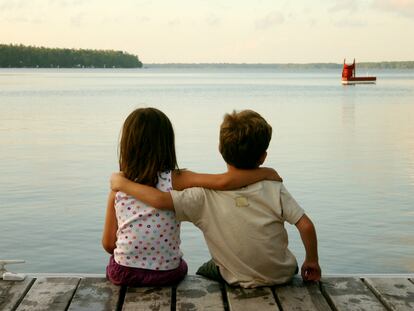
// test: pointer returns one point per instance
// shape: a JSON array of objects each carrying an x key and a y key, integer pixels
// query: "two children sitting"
[{"x": 243, "y": 228}]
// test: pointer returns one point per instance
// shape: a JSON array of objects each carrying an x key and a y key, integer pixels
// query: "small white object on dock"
[{"x": 9, "y": 275}]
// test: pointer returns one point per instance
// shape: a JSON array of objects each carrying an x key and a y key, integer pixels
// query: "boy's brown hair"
[{"x": 244, "y": 138}]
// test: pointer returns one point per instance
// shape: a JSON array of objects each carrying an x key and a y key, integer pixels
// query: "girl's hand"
[
  {"x": 311, "y": 271},
  {"x": 117, "y": 180}
]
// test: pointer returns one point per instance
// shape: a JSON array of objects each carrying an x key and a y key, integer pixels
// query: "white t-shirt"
[
  {"x": 147, "y": 238},
  {"x": 244, "y": 230}
]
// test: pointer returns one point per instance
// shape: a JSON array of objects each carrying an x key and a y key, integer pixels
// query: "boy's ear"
[{"x": 262, "y": 158}]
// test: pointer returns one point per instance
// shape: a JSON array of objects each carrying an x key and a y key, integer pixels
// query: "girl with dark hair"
[{"x": 144, "y": 242}]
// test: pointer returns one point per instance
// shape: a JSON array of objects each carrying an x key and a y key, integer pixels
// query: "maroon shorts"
[{"x": 129, "y": 276}]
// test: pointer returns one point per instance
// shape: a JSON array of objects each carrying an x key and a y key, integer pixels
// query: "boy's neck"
[
  {"x": 261, "y": 161},
  {"x": 233, "y": 168}
]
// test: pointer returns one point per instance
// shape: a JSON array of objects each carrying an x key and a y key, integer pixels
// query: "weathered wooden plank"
[
  {"x": 397, "y": 294},
  {"x": 96, "y": 294},
  {"x": 299, "y": 296},
  {"x": 198, "y": 293},
  {"x": 147, "y": 298},
  {"x": 52, "y": 294},
  {"x": 241, "y": 299},
  {"x": 350, "y": 294},
  {"x": 12, "y": 292}
]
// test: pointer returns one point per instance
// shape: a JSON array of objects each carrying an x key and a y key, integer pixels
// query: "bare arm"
[
  {"x": 111, "y": 225},
  {"x": 311, "y": 270},
  {"x": 149, "y": 195},
  {"x": 233, "y": 179}
]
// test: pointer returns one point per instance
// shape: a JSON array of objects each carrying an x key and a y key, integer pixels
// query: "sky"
[{"x": 218, "y": 31}]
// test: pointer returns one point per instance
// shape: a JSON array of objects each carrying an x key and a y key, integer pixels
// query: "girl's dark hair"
[{"x": 147, "y": 146}]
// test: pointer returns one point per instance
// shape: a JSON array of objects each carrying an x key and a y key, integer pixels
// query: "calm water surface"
[{"x": 346, "y": 153}]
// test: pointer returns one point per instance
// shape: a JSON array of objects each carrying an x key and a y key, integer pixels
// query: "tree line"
[
  {"x": 20, "y": 56},
  {"x": 387, "y": 65}
]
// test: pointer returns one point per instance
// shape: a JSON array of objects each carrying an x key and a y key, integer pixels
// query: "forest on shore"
[{"x": 21, "y": 56}]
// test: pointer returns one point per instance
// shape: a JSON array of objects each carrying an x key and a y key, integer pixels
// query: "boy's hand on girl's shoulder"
[
  {"x": 311, "y": 271},
  {"x": 272, "y": 174},
  {"x": 116, "y": 181}
]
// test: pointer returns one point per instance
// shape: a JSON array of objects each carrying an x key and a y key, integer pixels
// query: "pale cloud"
[
  {"x": 344, "y": 5},
  {"x": 312, "y": 22},
  {"x": 349, "y": 23},
  {"x": 174, "y": 22},
  {"x": 6, "y": 5},
  {"x": 143, "y": 19},
  {"x": 120, "y": 18},
  {"x": 36, "y": 21},
  {"x": 78, "y": 20},
  {"x": 212, "y": 20},
  {"x": 24, "y": 4},
  {"x": 270, "y": 20},
  {"x": 18, "y": 20},
  {"x": 68, "y": 3},
  {"x": 111, "y": 20},
  {"x": 137, "y": 4},
  {"x": 24, "y": 20},
  {"x": 401, "y": 7},
  {"x": 307, "y": 10}
]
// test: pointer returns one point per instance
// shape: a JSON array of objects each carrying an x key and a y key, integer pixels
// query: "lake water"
[{"x": 346, "y": 154}]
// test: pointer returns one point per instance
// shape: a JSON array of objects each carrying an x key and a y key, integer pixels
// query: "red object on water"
[{"x": 348, "y": 75}]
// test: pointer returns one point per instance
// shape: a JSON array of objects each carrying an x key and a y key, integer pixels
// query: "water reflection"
[{"x": 348, "y": 110}]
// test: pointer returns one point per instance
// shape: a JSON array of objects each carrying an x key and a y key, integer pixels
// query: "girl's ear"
[{"x": 262, "y": 158}]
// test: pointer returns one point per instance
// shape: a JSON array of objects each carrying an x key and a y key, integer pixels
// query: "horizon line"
[{"x": 289, "y": 63}]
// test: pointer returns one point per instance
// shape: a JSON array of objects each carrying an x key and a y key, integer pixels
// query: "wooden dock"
[{"x": 83, "y": 292}]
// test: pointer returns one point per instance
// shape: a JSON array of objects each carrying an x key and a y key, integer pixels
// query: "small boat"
[{"x": 348, "y": 75}]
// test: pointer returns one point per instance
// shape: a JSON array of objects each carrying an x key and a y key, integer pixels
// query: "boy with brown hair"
[{"x": 243, "y": 228}]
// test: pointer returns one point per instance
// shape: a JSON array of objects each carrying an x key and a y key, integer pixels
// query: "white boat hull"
[{"x": 357, "y": 82}]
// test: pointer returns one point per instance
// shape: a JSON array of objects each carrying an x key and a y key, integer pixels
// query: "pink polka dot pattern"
[{"x": 147, "y": 238}]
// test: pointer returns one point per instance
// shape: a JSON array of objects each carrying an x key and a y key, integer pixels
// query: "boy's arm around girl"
[
  {"x": 182, "y": 179},
  {"x": 310, "y": 270}
]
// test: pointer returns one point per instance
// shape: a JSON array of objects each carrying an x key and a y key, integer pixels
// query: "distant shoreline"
[
  {"x": 362, "y": 65},
  {"x": 229, "y": 66},
  {"x": 22, "y": 56}
]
